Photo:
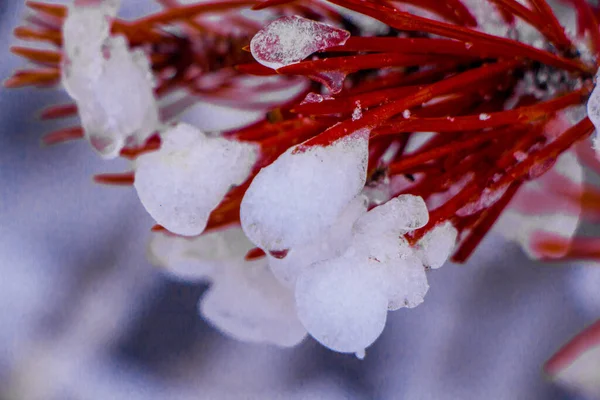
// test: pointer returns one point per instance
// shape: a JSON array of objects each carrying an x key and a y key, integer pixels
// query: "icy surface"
[
  {"x": 406, "y": 283},
  {"x": 397, "y": 216},
  {"x": 111, "y": 85},
  {"x": 330, "y": 245},
  {"x": 182, "y": 182},
  {"x": 342, "y": 301},
  {"x": 342, "y": 304},
  {"x": 198, "y": 258},
  {"x": 120, "y": 109},
  {"x": 378, "y": 241},
  {"x": 84, "y": 31},
  {"x": 245, "y": 300},
  {"x": 249, "y": 304},
  {"x": 302, "y": 193},
  {"x": 338, "y": 279},
  {"x": 435, "y": 247},
  {"x": 291, "y": 39}
]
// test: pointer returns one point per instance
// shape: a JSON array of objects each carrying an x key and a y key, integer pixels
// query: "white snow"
[
  {"x": 342, "y": 304},
  {"x": 84, "y": 31},
  {"x": 302, "y": 193},
  {"x": 247, "y": 303},
  {"x": 378, "y": 241},
  {"x": 406, "y": 282},
  {"x": 182, "y": 182},
  {"x": 111, "y": 85},
  {"x": 398, "y": 215},
  {"x": 338, "y": 286},
  {"x": 435, "y": 246},
  {"x": 291, "y": 39},
  {"x": 197, "y": 258},
  {"x": 330, "y": 245},
  {"x": 343, "y": 301}
]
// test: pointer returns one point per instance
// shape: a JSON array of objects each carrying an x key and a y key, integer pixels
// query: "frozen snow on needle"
[{"x": 288, "y": 40}]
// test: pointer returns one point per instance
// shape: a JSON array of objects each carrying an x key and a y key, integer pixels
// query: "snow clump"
[
  {"x": 112, "y": 85},
  {"x": 187, "y": 178},
  {"x": 244, "y": 301},
  {"x": 302, "y": 193}
]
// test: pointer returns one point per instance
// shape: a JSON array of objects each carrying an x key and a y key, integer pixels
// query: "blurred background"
[{"x": 83, "y": 315}]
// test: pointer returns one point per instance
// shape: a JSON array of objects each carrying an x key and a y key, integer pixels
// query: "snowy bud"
[
  {"x": 406, "y": 283},
  {"x": 378, "y": 241},
  {"x": 399, "y": 215},
  {"x": 330, "y": 245},
  {"x": 435, "y": 247},
  {"x": 182, "y": 182},
  {"x": 301, "y": 195},
  {"x": 342, "y": 304},
  {"x": 405, "y": 279}
]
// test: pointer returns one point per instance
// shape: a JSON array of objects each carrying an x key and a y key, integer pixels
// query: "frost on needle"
[{"x": 111, "y": 84}]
